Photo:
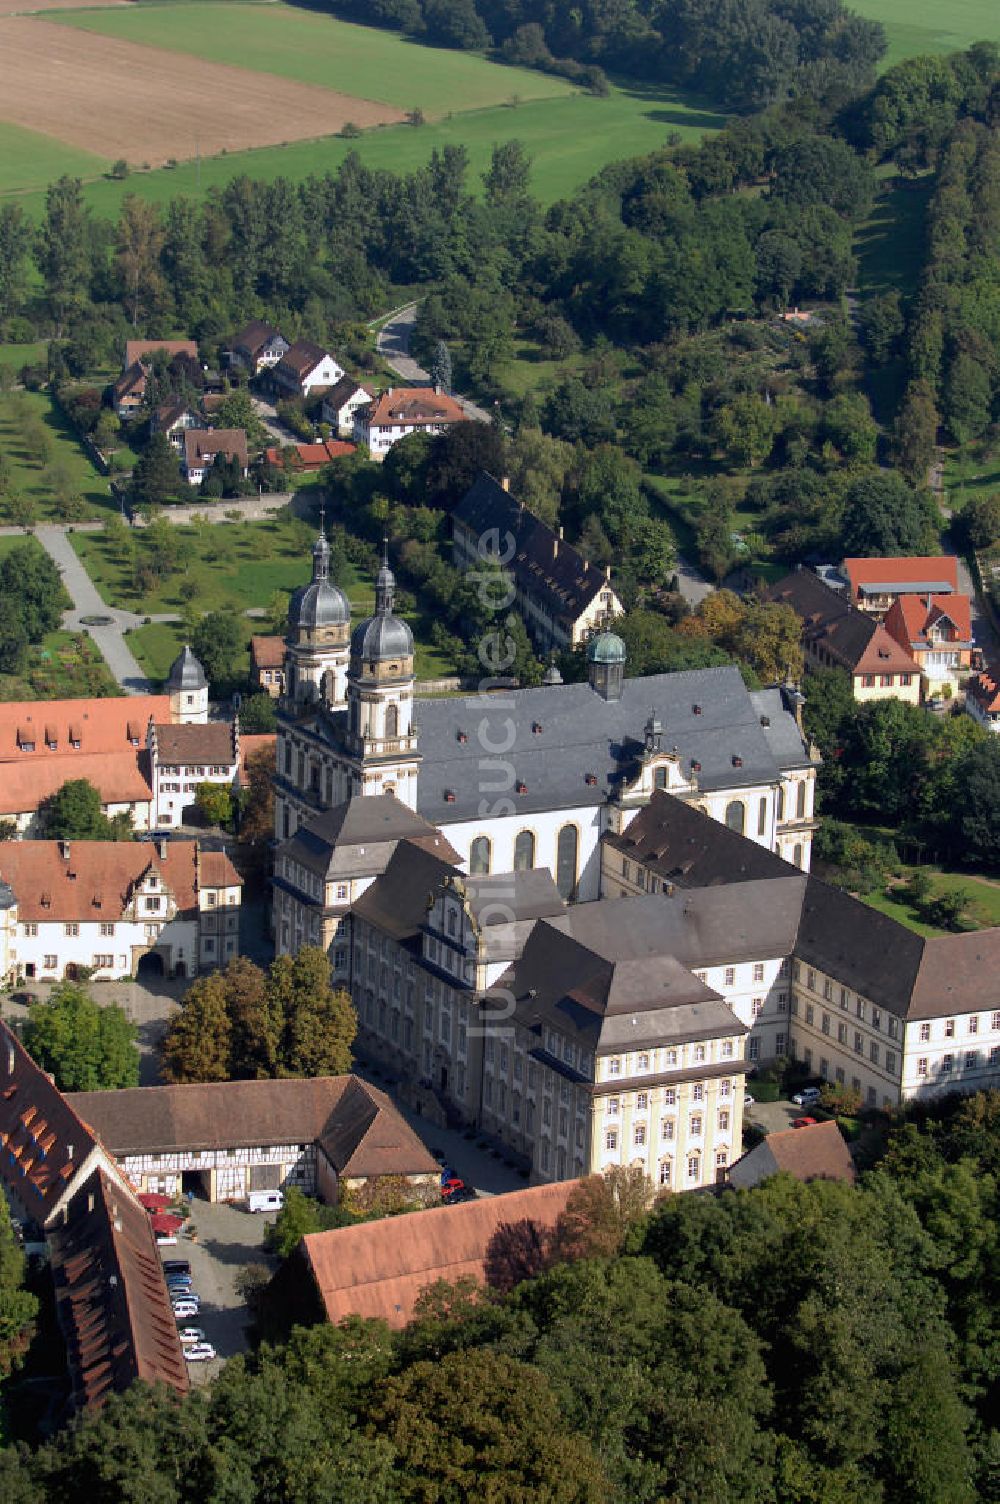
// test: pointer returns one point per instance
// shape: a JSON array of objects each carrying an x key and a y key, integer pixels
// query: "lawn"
[
  {"x": 30, "y": 159},
  {"x": 890, "y": 244},
  {"x": 236, "y": 566},
  {"x": 919, "y": 26},
  {"x": 983, "y": 907},
  {"x": 16, "y": 356},
  {"x": 319, "y": 49},
  {"x": 29, "y": 473},
  {"x": 569, "y": 138}
]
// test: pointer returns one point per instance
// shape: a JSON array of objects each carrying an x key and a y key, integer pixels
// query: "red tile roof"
[
  {"x": 43, "y": 1143},
  {"x": 201, "y": 445},
  {"x": 119, "y": 777},
  {"x": 379, "y": 1269},
  {"x": 111, "y": 1296},
  {"x": 883, "y": 654},
  {"x": 137, "y": 349},
  {"x": 985, "y": 690},
  {"x": 312, "y": 456},
  {"x": 98, "y": 725},
  {"x": 302, "y": 357},
  {"x": 267, "y": 652},
  {"x": 817, "y": 1152},
  {"x": 413, "y": 405},
  {"x": 909, "y": 573},
  {"x": 94, "y": 881},
  {"x": 910, "y": 617}
]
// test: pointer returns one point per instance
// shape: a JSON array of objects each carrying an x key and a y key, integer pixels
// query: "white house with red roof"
[
  {"x": 873, "y": 584},
  {"x": 982, "y": 700},
  {"x": 403, "y": 410}
]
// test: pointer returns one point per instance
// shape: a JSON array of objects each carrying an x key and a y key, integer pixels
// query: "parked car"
[
  {"x": 748, "y": 1100},
  {"x": 804, "y": 1123},
  {"x": 451, "y": 1187},
  {"x": 190, "y": 1334},
  {"x": 179, "y": 1281},
  {"x": 467, "y": 1193},
  {"x": 176, "y": 1266},
  {"x": 807, "y": 1096},
  {"x": 265, "y": 1201},
  {"x": 200, "y": 1352},
  {"x": 186, "y": 1307}
]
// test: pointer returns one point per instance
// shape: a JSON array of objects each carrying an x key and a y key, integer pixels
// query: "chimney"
[
  {"x": 64, "y": 850},
  {"x": 161, "y": 848},
  {"x": 10, "y": 1059},
  {"x": 437, "y": 388},
  {"x": 607, "y": 573},
  {"x": 69, "y": 1151},
  {"x": 555, "y": 545},
  {"x": 505, "y": 482}
]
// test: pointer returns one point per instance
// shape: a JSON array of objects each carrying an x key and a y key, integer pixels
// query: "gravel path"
[{"x": 87, "y": 602}]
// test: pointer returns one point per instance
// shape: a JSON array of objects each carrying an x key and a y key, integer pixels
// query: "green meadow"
[{"x": 919, "y": 26}]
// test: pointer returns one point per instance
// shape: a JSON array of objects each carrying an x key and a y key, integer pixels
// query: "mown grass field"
[
  {"x": 29, "y": 159},
  {"x": 30, "y": 474},
  {"x": 983, "y": 907},
  {"x": 919, "y": 26},
  {"x": 318, "y": 49}
]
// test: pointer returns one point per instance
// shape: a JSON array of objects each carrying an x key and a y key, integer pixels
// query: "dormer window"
[
  {"x": 695, "y": 765},
  {"x": 696, "y": 710},
  {"x": 521, "y": 788},
  {"x": 737, "y": 761},
  {"x": 590, "y": 779},
  {"x": 449, "y": 796},
  {"x": 462, "y": 736}
]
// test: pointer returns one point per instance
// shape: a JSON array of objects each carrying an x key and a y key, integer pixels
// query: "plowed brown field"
[{"x": 122, "y": 100}]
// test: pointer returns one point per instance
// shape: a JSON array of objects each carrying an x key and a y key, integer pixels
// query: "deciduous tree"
[{"x": 86, "y": 1045}]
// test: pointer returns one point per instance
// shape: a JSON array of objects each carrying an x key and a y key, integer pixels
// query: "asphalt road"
[{"x": 393, "y": 345}]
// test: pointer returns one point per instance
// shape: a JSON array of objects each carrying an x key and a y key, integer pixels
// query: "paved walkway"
[
  {"x": 87, "y": 602},
  {"x": 393, "y": 345}
]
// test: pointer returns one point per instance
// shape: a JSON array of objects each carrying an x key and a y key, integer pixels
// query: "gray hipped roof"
[
  {"x": 358, "y": 837},
  {"x": 681, "y": 844},
  {"x": 565, "y": 733}
]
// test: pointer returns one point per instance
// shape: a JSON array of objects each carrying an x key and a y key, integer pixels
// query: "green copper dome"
[{"x": 606, "y": 647}]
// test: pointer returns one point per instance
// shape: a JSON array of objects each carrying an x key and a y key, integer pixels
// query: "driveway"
[
  {"x": 227, "y": 1240},
  {"x": 393, "y": 344},
  {"x": 773, "y": 1116},
  {"x": 88, "y": 603}
]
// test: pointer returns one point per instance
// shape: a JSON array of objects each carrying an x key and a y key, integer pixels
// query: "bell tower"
[{"x": 381, "y": 740}]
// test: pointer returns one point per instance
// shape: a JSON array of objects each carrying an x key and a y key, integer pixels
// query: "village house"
[
  {"x": 258, "y": 347},
  {"x": 563, "y": 598},
  {"x": 303, "y": 369},
  {"x": 403, "y": 410},
  {"x": 836, "y": 634},
  {"x": 267, "y": 665},
  {"x": 873, "y": 584},
  {"x": 182, "y": 757},
  {"x": 224, "y": 1139},
  {"x": 202, "y": 446},
  {"x": 116, "y": 909},
  {"x": 937, "y": 631},
  {"x": 982, "y": 700},
  {"x": 129, "y": 390},
  {"x": 173, "y": 420},
  {"x": 342, "y": 401},
  {"x": 111, "y": 1297}
]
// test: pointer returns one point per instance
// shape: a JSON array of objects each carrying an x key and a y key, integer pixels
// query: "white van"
[{"x": 265, "y": 1201}]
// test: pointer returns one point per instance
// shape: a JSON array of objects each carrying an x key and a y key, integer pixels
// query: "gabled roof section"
[
  {"x": 302, "y": 357},
  {"x": 379, "y": 1269},
  {"x": 985, "y": 690},
  {"x": 852, "y": 637},
  {"x": 267, "y": 652},
  {"x": 141, "y": 349},
  {"x": 111, "y": 1296},
  {"x": 681, "y": 844},
  {"x": 360, "y": 836},
  {"x": 337, "y": 1112},
  {"x": 201, "y": 444},
  {"x": 101, "y": 726},
  {"x": 414, "y": 406},
  {"x": 344, "y": 390},
  {"x": 816, "y": 1152},
  {"x": 43, "y": 1142},
  {"x": 910, "y": 619},
  {"x": 255, "y": 336},
  {"x": 93, "y": 881},
  {"x": 542, "y": 562},
  {"x": 213, "y": 743},
  {"x": 397, "y": 902},
  {"x": 937, "y": 573}
]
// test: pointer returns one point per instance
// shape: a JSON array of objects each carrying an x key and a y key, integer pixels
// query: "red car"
[
  {"x": 450, "y": 1186},
  {"x": 804, "y": 1123}
]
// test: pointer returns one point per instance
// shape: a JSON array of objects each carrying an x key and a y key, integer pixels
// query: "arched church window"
[
  {"x": 479, "y": 857},
  {"x": 736, "y": 816},
  {"x": 800, "y": 801},
  {"x": 392, "y": 720},
  {"x": 524, "y": 851},
  {"x": 567, "y": 846}
]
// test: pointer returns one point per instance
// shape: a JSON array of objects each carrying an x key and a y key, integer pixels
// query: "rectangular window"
[
  {"x": 71, "y": 929},
  {"x": 694, "y": 1167},
  {"x": 611, "y": 1140},
  {"x": 669, "y": 1097},
  {"x": 727, "y": 1049},
  {"x": 730, "y": 976},
  {"x": 642, "y": 1101},
  {"x": 925, "y": 1033},
  {"x": 809, "y": 1013},
  {"x": 971, "y": 1059},
  {"x": 841, "y": 1033},
  {"x": 859, "y": 1007},
  {"x": 947, "y": 1061},
  {"x": 614, "y": 1067},
  {"x": 107, "y": 929},
  {"x": 949, "y": 1028},
  {"x": 639, "y": 1135},
  {"x": 612, "y": 1107},
  {"x": 694, "y": 1127},
  {"x": 876, "y": 1018},
  {"x": 845, "y": 998},
  {"x": 758, "y": 971},
  {"x": 859, "y": 1044},
  {"x": 725, "y": 1088},
  {"x": 698, "y": 1092},
  {"x": 667, "y": 1129},
  {"x": 699, "y": 1053},
  {"x": 826, "y": 1023},
  {"x": 811, "y": 980},
  {"x": 890, "y": 1061},
  {"x": 723, "y": 1122},
  {"x": 922, "y": 1066},
  {"x": 828, "y": 989},
  {"x": 974, "y": 1024},
  {"x": 757, "y": 1007},
  {"x": 642, "y": 1062},
  {"x": 995, "y": 1021},
  {"x": 49, "y": 962},
  {"x": 873, "y": 1052}
]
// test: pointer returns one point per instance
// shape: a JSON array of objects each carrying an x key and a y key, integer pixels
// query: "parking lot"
[
  {"x": 773, "y": 1116},
  {"x": 228, "y": 1239}
]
